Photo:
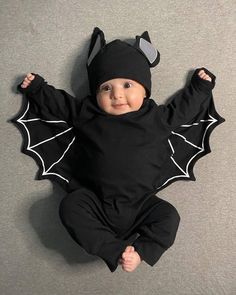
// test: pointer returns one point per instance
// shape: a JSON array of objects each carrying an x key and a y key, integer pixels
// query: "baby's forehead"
[{"x": 119, "y": 80}]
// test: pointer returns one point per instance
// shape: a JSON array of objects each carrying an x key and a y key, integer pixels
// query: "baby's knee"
[
  {"x": 174, "y": 216},
  {"x": 76, "y": 203},
  {"x": 68, "y": 205},
  {"x": 172, "y": 223},
  {"x": 65, "y": 208}
]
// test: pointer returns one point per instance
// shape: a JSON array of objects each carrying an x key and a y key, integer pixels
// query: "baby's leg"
[
  {"x": 157, "y": 232},
  {"x": 82, "y": 215},
  {"x": 29, "y": 77}
]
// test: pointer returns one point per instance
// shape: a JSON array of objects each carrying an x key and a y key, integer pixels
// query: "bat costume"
[{"x": 113, "y": 165}]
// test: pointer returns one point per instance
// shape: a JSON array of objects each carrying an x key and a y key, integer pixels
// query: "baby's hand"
[
  {"x": 204, "y": 76},
  {"x": 29, "y": 77}
]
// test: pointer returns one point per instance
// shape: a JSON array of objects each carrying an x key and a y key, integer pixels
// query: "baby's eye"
[
  {"x": 105, "y": 88},
  {"x": 127, "y": 85}
]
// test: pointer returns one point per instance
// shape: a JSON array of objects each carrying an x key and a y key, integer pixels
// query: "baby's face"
[{"x": 120, "y": 96}]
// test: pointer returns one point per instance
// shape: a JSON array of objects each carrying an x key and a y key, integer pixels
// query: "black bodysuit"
[{"x": 123, "y": 159}]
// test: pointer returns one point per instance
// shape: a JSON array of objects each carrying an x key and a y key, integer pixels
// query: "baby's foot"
[
  {"x": 204, "y": 76},
  {"x": 127, "y": 249},
  {"x": 30, "y": 77},
  {"x": 130, "y": 259}
]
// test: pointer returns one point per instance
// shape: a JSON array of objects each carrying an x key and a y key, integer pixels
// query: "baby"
[
  {"x": 122, "y": 149},
  {"x": 116, "y": 97}
]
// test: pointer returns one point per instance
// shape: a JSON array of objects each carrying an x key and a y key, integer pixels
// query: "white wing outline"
[
  {"x": 30, "y": 148},
  {"x": 185, "y": 173}
]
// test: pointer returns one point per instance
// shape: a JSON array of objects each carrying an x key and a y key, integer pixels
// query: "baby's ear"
[
  {"x": 144, "y": 45},
  {"x": 96, "y": 43}
]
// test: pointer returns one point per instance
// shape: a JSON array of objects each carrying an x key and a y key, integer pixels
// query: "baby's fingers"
[
  {"x": 29, "y": 77},
  {"x": 204, "y": 76}
]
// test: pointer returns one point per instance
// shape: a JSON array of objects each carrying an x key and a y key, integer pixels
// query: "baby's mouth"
[{"x": 120, "y": 105}]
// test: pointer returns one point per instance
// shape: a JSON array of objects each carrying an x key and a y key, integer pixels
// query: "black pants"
[{"x": 157, "y": 221}]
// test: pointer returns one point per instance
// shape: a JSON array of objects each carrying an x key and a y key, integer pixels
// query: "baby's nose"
[{"x": 118, "y": 93}]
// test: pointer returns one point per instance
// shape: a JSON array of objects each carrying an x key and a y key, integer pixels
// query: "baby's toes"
[
  {"x": 127, "y": 266},
  {"x": 125, "y": 257}
]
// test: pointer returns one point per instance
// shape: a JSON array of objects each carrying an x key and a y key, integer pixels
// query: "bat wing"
[
  {"x": 188, "y": 143},
  {"x": 50, "y": 143}
]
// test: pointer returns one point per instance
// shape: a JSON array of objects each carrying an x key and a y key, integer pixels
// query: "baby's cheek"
[
  {"x": 136, "y": 103},
  {"x": 103, "y": 103}
]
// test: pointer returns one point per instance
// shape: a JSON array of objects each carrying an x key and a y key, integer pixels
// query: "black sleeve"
[
  {"x": 48, "y": 102},
  {"x": 187, "y": 103}
]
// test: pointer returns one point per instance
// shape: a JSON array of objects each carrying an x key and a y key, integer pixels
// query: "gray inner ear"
[
  {"x": 96, "y": 49},
  {"x": 149, "y": 51}
]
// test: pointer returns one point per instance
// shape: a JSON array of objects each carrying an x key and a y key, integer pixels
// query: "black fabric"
[
  {"x": 124, "y": 155},
  {"x": 122, "y": 159},
  {"x": 101, "y": 234}
]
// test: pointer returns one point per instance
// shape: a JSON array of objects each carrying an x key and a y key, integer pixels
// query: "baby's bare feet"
[
  {"x": 204, "y": 76},
  {"x": 29, "y": 77},
  {"x": 130, "y": 259},
  {"x": 127, "y": 249}
]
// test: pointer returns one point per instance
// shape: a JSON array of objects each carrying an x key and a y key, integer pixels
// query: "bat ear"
[
  {"x": 97, "y": 42},
  {"x": 144, "y": 45}
]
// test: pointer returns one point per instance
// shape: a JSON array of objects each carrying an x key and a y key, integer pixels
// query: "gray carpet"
[{"x": 51, "y": 38}]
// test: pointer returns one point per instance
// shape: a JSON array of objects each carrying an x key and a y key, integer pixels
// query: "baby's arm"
[
  {"x": 187, "y": 103},
  {"x": 48, "y": 101}
]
